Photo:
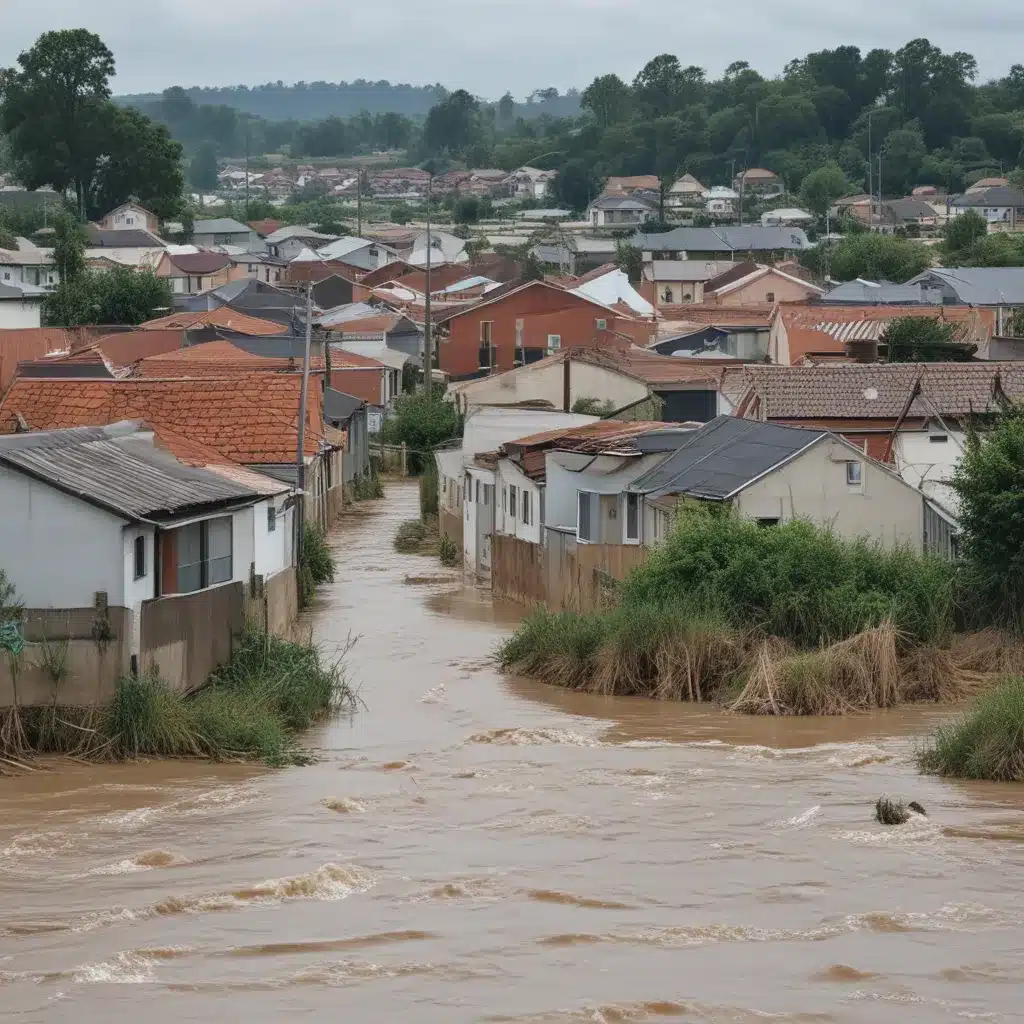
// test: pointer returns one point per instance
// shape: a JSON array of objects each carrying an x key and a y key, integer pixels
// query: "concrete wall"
[
  {"x": 20, "y": 313},
  {"x": 96, "y": 657},
  {"x": 450, "y": 526},
  {"x": 813, "y": 486},
  {"x": 186, "y": 636},
  {"x": 273, "y": 604},
  {"x": 56, "y": 550}
]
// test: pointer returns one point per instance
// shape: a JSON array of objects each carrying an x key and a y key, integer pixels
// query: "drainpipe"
[{"x": 567, "y": 383}]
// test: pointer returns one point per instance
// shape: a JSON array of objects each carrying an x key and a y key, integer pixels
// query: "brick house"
[{"x": 526, "y": 324}]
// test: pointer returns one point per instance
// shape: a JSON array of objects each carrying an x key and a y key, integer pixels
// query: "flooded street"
[{"x": 474, "y": 848}]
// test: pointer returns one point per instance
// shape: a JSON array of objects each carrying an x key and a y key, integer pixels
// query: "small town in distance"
[{"x": 513, "y": 548}]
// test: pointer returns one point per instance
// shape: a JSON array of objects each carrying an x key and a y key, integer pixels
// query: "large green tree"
[
  {"x": 118, "y": 296},
  {"x": 63, "y": 130},
  {"x": 821, "y": 188},
  {"x": 202, "y": 172},
  {"x": 871, "y": 256}
]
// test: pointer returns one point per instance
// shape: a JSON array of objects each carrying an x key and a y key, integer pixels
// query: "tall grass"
[
  {"x": 317, "y": 564},
  {"x": 251, "y": 709},
  {"x": 985, "y": 743}
]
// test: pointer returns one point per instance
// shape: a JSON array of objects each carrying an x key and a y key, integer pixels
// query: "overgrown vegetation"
[
  {"x": 251, "y": 709},
  {"x": 418, "y": 537},
  {"x": 593, "y": 406},
  {"x": 891, "y": 812},
  {"x": 369, "y": 487},
  {"x": 985, "y": 743},
  {"x": 791, "y": 620},
  {"x": 925, "y": 339},
  {"x": 422, "y": 421},
  {"x": 317, "y": 564}
]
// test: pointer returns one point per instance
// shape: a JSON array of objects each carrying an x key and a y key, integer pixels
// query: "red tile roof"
[
  {"x": 367, "y": 325},
  {"x": 22, "y": 345},
  {"x": 872, "y": 391},
  {"x": 249, "y": 418},
  {"x": 224, "y": 317},
  {"x": 217, "y": 358},
  {"x": 709, "y": 313},
  {"x": 341, "y": 359}
]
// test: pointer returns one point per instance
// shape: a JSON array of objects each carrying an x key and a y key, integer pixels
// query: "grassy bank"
[
  {"x": 251, "y": 709},
  {"x": 791, "y": 620},
  {"x": 985, "y": 743},
  {"x": 317, "y": 564}
]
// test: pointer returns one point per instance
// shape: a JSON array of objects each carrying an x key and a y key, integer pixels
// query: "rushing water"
[{"x": 472, "y": 848}]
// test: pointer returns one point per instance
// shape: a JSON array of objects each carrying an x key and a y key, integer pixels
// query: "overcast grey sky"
[{"x": 488, "y": 46}]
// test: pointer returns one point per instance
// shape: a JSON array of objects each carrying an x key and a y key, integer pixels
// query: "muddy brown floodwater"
[{"x": 472, "y": 848}]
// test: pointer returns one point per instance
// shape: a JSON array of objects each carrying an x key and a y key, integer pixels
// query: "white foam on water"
[
  {"x": 121, "y": 969},
  {"x": 435, "y": 695},
  {"x": 531, "y": 737},
  {"x": 799, "y": 820}
]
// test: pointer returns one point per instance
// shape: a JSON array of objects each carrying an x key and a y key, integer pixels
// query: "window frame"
[
  {"x": 628, "y": 499},
  {"x": 584, "y": 498},
  {"x": 205, "y": 562},
  {"x": 513, "y": 494},
  {"x": 271, "y": 519},
  {"x": 854, "y": 473},
  {"x": 554, "y": 343},
  {"x": 139, "y": 555}
]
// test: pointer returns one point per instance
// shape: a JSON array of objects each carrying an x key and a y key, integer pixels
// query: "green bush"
[
  {"x": 796, "y": 580},
  {"x": 429, "y": 497},
  {"x": 422, "y": 422},
  {"x": 369, "y": 488},
  {"x": 985, "y": 743},
  {"x": 448, "y": 551}
]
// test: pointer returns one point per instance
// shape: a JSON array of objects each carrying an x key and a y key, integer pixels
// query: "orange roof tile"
[
  {"x": 249, "y": 418},
  {"x": 23, "y": 345},
  {"x": 341, "y": 360},
  {"x": 224, "y": 317},
  {"x": 367, "y": 324},
  {"x": 710, "y": 313}
]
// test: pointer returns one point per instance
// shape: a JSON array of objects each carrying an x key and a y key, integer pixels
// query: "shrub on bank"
[
  {"x": 796, "y": 581},
  {"x": 985, "y": 743},
  {"x": 317, "y": 564}
]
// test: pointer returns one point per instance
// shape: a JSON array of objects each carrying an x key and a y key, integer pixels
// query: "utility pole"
[
  {"x": 428, "y": 354},
  {"x": 300, "y": 463},
  {"x": 247, "y": 171},
  {"x": 880, "y": 187},
  {"x": 871, "y": 200},
  {"x": 359, "y": 202},
  {"x": 743, "y": 181}
]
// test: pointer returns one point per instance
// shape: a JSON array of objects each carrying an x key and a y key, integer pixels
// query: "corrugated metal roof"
[
  {"x": 120, "y": 472},
  {"x": 723, "y": 457}
]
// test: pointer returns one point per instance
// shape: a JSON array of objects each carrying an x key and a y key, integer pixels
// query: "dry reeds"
[
  {"x": 891, "y": 812},
  {"x": 857, "y": 674}
]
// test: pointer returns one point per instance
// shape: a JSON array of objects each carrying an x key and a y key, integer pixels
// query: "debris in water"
[
  {"x": 917, "y": 808},
  {"x": 891, "y": 812}
]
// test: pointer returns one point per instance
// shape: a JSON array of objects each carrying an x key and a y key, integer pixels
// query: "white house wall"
[
  {"x": 534, "y": 382},
  {"x": 813, "y": 486},
  {"x": 58, "y": 551},
  {"x": 272, "y": 550},
  {"x": 510, "y": 475},
  {"x": 17, "y": 313},
  {"x": 929, "y": 465}
]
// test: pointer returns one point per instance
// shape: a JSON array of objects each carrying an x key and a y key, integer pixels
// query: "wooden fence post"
[{"x": 405, "y": 464}]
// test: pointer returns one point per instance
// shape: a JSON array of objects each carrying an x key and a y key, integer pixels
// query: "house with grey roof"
[
  {"x": 1000, "y": 288},
  {"x": 773, "y": 474},
  {"x": 721, "y": 242},
  {"x": 612, "y": 211},
  {"x": 208, "y": 234},
  {"x": 1001, "y": 206}
]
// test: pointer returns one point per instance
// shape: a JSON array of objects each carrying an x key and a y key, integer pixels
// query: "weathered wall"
[
  {"x": 273, "y": 604},
  {"x": 185, "y": 637},
  {"x": 96, "y": 657},
  {"x": 451, "y": 527},
  {"x": 563, "y": 575}
]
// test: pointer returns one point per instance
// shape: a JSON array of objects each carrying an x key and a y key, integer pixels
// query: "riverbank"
[{"x": 252, "y": 709}]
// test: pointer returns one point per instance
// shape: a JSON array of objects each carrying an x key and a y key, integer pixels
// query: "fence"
[
  {"x": 184, "y": 638},
  {"x": 562, "y": 574}
]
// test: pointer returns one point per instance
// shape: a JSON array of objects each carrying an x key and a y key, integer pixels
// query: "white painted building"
[
  {"x": 21, "y": 306},
  {"x": 103, "y": 511}
]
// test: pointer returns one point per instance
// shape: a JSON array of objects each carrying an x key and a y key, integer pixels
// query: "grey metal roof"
[
  {"x": 100, "y": 238},
  {"x": 339, "y": 406},
  {"x": 881, "y": 293},
  {"x": 978, "y": 286},
  {"x": 724, "y": 456},
  {"x": 752, "y": 238},
  {"x": 999, "y": 195},
  {"x": 118, "y": 469},
  {"x": 220, "y": 226}
]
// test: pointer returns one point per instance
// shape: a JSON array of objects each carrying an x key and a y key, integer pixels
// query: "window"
[
  {"x": 583, "y": 524},
  {"x": 504, "y": 499},
  {"x": 512, "y": 493},
  {"x": 554, "y": 342},
  {"x": 938, "y": 439},
  {"x": 204, "y": 554},
  {"x": 140, "y": 556},
  {"x": 271, "y": 519},
  {"x": 853, "y": 473},
  {"x": 527, "y": 507},
  {"x": 769, "y": 297},
  {"x": 602, "y": 324},
  {"x": 632, "y": 517},
  {"x": 767, "y": 521},
  {"x": 486, "y": 332}
]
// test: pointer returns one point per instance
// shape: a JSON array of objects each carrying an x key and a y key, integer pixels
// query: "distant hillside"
[{"x": 314, "y": 101}]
